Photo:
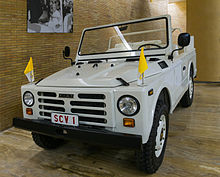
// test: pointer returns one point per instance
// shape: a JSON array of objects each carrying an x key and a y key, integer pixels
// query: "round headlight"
[
  {"x": 28, "y": 99},
  {"x": 128, "y": 105}
]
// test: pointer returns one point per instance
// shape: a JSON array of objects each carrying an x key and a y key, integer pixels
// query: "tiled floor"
[{"x": 193, "y": 148}]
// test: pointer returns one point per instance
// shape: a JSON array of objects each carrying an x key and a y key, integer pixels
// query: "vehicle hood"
[{"x": 98, "y": 75}]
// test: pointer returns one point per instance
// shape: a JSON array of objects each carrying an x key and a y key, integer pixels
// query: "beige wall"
[
  {"x": 203, "y": 21},
  {"x": 16, "y": 45},
  {"x": 177, "y": 10}
]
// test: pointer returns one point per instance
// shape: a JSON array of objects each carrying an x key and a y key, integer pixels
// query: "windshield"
[{"x": 125, "y": 37}]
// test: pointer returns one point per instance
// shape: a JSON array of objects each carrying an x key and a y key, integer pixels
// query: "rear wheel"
[
  {"x": 151, "y": 154},
  {"x": 187, "y": 98},
  {"x": 46, "y": 142}
]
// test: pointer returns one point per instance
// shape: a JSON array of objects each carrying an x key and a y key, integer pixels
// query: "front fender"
[{"x": 158, "y": 87}]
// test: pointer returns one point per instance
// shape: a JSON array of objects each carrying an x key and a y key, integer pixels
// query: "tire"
[
  {"x": 148, "y": 158},
  {"x": 187, "y": 98},
  {"x": 46, "y": 142}
]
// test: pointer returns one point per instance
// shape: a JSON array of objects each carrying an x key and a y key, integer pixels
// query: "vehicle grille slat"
[
  {"x": 88, "y": 115},
  {"x": 46, "y": 114},
  {"x": 91, "y": 96},
  {"x": 92, "y": 124},
  {"x": 52, "y": 108},
  {"x": 89, "y": 104},
  {"x": 89, "y": 119},
  {"x": 47, "y": 94},
  {"x": 54, "y": 105},
  {"x": 87, "y": 111},
  {"x": 51, "y": 101},
  {"x": 88, "y": 108}
]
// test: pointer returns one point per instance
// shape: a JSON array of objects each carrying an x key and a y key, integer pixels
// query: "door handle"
[{"x": 184, "y": 68}]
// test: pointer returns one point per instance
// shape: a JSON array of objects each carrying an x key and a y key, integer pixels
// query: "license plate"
[{"x": 65, "y": 119}]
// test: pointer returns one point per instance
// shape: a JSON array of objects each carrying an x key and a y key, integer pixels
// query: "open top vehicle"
[{"x": 98, "y": 98}]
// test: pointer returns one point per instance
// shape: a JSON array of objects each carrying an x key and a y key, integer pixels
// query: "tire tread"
[{"x": 146, "y": 160}]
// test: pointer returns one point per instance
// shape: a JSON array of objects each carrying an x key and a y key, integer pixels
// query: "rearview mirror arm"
[
  {"x": 171, "y": 55},
  {"x": 72, "y": 62}
]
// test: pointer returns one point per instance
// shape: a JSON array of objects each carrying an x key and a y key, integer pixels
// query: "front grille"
[{"x": 90, "y": 108}]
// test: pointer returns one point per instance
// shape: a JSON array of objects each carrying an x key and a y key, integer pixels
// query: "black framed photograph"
[{"x": 49, "y": 16}]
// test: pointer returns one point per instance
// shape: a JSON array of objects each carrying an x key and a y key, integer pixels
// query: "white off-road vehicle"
[{"x": 98, "y": 98}]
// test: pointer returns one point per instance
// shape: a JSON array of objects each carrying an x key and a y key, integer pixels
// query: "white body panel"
[
  {"x": 102, "y": 80},
  {"x": 102, "y": 76}
]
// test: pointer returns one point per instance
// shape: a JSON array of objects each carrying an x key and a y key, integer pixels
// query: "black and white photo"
[{"x": 50, "y": 16}]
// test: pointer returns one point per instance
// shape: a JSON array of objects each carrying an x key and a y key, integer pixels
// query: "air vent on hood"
[
  {"x": 163, "y": 64},
  {"x": 154, "y": 59}
]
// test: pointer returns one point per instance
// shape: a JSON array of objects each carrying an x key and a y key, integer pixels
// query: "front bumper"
[{"x": 82, "y": 133}]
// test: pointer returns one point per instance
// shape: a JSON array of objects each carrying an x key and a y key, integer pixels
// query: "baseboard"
[{"x": 207, "y": 82}]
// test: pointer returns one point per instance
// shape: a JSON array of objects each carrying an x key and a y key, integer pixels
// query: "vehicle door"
[{"x": 180, "y": 75}]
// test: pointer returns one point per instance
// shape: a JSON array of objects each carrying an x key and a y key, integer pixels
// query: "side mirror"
[
  {"x": 67, "y": 51},
  {"x": 66, "y": 54},
  {"x": 184, "y": 39}
]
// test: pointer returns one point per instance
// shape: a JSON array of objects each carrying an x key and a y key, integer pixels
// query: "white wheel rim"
[
  {"x": 161, "y": 135},
  {"x": 190, "y": 88}
]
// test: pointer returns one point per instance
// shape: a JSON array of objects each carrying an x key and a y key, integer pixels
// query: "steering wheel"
[{"x": 149, "y": 44}]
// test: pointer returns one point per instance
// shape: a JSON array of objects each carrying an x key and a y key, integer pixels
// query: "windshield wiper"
[
  {"x": 124, "y": 83},
  {"x": 137, "y": 59}
]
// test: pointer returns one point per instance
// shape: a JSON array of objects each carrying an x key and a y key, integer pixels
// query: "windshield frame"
[{"x": 125, "y": 23}]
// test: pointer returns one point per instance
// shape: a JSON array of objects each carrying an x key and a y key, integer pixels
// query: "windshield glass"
[{"x": 126, "y": 37}]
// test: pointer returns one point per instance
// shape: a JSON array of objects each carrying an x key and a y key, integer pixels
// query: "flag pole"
[{"x": 142, "y": 67}]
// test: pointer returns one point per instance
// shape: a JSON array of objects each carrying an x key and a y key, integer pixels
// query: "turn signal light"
[
  {"x": 29, "y": 111},
  {"x": 150, "y": 92},
  {"x": 128, "y": 122}
]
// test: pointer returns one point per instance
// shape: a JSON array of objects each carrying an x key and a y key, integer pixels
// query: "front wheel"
[
  {"x": 46, "y": 142},
  {"x": 151, "y": 154}
]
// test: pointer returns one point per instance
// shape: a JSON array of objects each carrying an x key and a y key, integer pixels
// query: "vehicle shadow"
[{"x": 81, "y": 159}]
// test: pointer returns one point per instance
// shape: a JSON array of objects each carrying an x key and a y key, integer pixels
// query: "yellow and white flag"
[
  {"x": 29, "y": 71},
  {"x": 142, "y": 67}
]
